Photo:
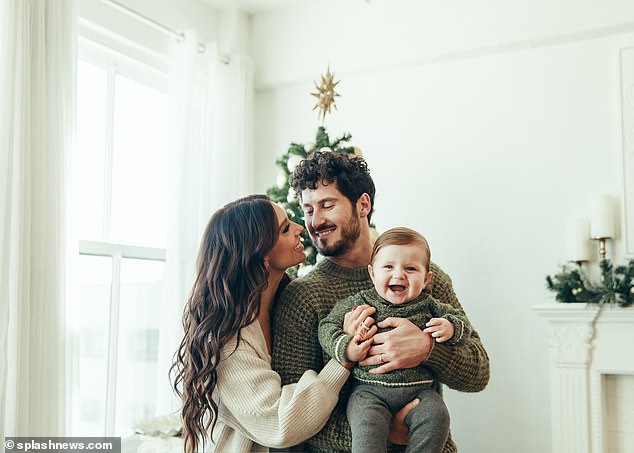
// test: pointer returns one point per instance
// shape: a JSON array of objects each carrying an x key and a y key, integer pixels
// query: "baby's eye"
[
  {"x": 388, "y": 266},
  {"x": 410, "y": 268}
]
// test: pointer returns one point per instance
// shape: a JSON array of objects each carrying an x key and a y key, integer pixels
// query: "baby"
[{"x": 399, "y": 269}]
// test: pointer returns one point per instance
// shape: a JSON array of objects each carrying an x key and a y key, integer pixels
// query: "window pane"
[
  {"x": 92, "y": 84},
  {"x": 139, "y": 153},
  {"x": 91, "y": 341},
  {"x": 139, "y": 322}
]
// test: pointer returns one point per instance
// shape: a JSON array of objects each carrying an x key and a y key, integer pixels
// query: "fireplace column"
[{"x": 569, "y": 337}]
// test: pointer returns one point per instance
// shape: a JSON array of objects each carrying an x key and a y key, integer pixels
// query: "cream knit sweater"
[{"x": 256, "y": 412}]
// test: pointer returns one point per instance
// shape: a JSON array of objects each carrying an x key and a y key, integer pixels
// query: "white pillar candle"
[
  {"x": 602, "y": 225},
  {"x": 579, "y": 240}
]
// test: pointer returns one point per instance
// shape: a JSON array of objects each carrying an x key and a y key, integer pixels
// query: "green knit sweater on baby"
[{"x": 419, "y": 311}]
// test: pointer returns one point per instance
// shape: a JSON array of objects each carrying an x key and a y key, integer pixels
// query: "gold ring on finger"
[{"x": 364, "y": 325}]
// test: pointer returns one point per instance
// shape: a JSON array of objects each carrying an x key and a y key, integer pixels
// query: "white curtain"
[
  {"x": 210, "y": 109},
  {"x": 37, "y": 77}
]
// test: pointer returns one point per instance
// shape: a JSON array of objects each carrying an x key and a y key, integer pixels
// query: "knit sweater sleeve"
[
  {"x": 461, "y": 325},
  {"x": 331, "y": 335},
  {"x": 296, "y": 346},
  {"x": 465, "y": 366},
  {"x": 265, "y": 411}
]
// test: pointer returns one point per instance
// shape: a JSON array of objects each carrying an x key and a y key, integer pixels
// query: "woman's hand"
[{"x": 359, "y": 321}]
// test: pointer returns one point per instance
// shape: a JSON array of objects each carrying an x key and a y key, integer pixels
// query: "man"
[{"x": 337, "y": 195}]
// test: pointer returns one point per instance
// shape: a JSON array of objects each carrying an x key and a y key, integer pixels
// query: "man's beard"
[{"x": 350, "y": 232}]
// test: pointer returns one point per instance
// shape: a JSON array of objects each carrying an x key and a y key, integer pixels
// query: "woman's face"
[{"x": 288, "y": 250}]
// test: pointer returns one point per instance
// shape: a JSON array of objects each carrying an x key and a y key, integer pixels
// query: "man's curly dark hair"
[{"x": 351, "y": 174}]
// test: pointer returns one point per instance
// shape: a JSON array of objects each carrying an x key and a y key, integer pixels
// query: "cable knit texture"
[
  {"x": 256, "y": 411},
  {"x": 308, "y": 300},
  {"x": 420, "y": 310}
]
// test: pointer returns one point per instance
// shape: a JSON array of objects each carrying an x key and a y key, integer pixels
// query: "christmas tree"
[{"x": 282, "y": 192}]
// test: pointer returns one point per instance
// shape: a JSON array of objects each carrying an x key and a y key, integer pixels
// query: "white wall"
[{"x": 489, "y": 126}]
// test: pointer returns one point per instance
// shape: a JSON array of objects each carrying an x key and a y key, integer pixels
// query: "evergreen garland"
[
  {"x": 283, "y": 194},
  {"x": 616, "y": 285}
]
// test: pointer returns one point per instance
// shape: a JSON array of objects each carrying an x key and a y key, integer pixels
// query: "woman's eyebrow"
[{"x": 283, "y": 224}]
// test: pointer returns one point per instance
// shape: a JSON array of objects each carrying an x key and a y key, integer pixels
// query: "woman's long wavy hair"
[{"x": 230, "y": 278}]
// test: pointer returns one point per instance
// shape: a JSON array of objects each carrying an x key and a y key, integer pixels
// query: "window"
[{"x": 121, "y": 155}]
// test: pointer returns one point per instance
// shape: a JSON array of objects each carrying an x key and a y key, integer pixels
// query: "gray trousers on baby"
[{"x": 370, "y": 409}]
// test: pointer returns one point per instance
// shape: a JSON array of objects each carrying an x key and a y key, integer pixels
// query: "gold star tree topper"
[{"x": 325, "y": 94}]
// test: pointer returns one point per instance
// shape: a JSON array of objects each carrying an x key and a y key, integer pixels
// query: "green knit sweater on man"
[{"x": 307, "y": 300}]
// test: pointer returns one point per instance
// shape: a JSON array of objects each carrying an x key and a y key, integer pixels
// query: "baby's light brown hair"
[{"x": 402, "y": 236}]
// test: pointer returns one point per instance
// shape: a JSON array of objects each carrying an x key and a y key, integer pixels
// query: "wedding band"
[{"x": 364, "y": 325}]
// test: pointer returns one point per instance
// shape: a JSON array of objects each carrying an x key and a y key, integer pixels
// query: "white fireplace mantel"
[{"x": 587, "y": 343}]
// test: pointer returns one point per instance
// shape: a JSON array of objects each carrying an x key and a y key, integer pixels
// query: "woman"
[{"x": 223, "y": 367}]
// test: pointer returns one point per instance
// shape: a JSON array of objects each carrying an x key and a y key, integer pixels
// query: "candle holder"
[{"x": 602, "y": 248}]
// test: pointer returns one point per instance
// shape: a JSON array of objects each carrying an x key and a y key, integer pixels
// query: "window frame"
[
  {"x": 117, "y": 56},
  {"x": 116, "y": 252}
]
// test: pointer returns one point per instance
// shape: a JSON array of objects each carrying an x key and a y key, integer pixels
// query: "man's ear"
[{"x": 364, "y": 205}]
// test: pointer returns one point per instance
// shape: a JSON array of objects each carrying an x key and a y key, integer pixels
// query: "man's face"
[{"x": 331, "y": 220}]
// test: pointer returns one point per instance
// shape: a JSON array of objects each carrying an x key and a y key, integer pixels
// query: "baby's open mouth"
[{"x": 397, "y": 288}]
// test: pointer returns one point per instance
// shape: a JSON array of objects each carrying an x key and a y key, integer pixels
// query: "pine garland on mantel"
[{"x": 616, "y": 285}]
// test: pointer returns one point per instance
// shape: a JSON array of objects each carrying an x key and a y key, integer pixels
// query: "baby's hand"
[
  {"x": 358, "y": 348},
  {"x": 440, "y": 328}
]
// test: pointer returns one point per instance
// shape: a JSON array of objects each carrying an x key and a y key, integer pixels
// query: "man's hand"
[
  {"x": 404, "y": 346},
  {"x": 399, "y": 431}
]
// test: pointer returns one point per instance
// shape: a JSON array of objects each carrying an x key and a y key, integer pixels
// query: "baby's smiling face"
[{"x": 399, "y": 272}]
